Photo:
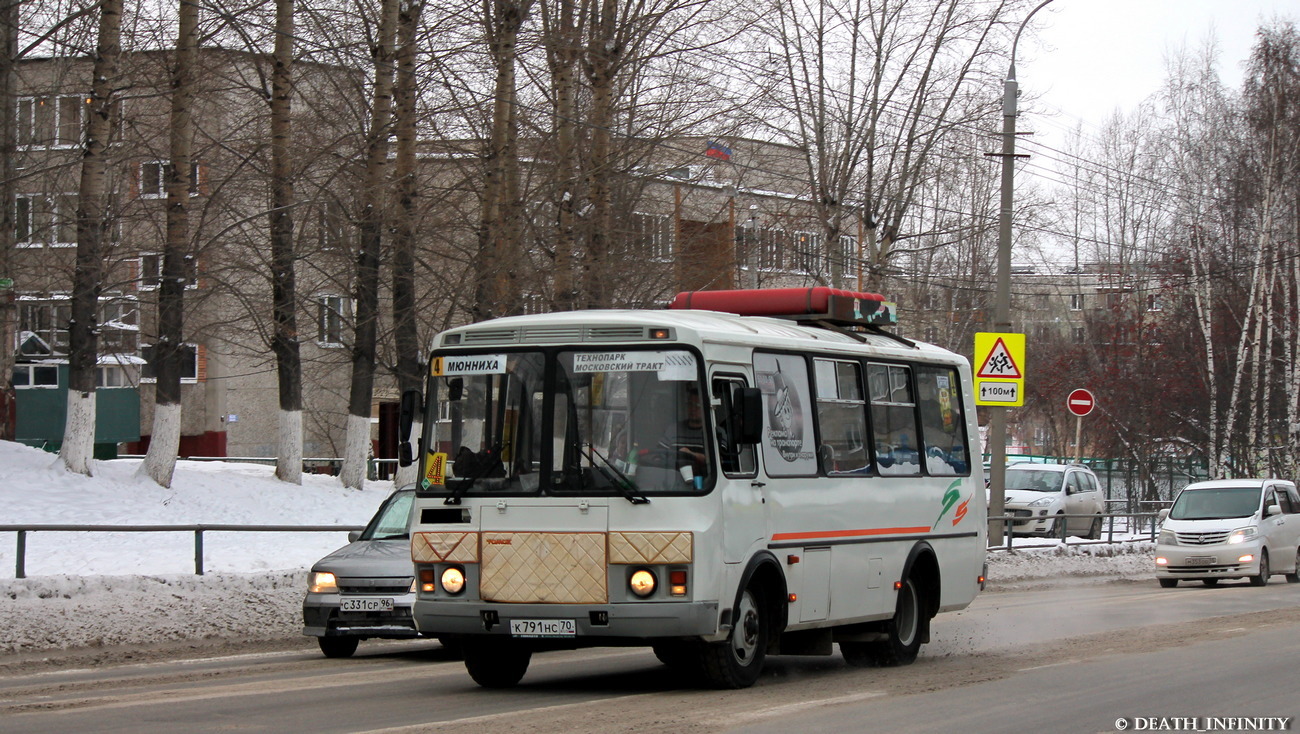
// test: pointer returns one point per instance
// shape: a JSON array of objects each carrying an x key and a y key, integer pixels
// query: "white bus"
[{"x": 747, "y": 473}]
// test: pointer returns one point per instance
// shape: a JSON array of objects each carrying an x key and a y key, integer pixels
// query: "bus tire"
[
  {"x": 677, "y": 654},
  {"x": 338, "y": 647},
  {"x": 737, "y": 661},
  {"x": 496, "y": 663},
  {"x": 903, "y": 634}
]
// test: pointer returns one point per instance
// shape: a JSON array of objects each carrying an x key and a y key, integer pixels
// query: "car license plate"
[
  {"x": 1200, "y": 560},
  {"x": 365, "y": 604},
  {"x": 543, "y": 628}
]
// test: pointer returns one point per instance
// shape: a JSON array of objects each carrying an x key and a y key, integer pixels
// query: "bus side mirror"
[
  {"x": 747, "y": 415},
  {"x": 412, "y": 401}
]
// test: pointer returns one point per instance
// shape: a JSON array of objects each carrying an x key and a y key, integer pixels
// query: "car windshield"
[
  {"x": 1034, "y": 480},
  {"x": 596, "y": 422},
  {"x": 392, "y": 520},
  {"x": 1213, "y": 503}
]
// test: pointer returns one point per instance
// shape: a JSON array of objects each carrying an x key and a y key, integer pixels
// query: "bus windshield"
[{"x": 594, "y": 422}]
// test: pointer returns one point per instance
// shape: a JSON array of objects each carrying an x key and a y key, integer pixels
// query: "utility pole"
[{"x": 1002, "y": 301}]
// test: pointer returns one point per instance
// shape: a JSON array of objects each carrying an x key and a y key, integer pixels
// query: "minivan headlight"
[
  {"x": 322, "y": 582},
  {"x": 1241, "y": 535},
  {"x": 1042, "y": 502},
  {"x": 1167, "y": 537}
]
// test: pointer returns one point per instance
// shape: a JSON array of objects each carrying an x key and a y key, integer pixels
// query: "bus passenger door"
[{"x": 744, "y": 517}]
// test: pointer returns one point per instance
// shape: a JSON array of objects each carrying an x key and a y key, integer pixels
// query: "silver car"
[{"x": 365, "y": 589}]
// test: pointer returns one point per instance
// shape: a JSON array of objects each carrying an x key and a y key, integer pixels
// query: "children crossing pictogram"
[{"x": 1000, "y": 363}]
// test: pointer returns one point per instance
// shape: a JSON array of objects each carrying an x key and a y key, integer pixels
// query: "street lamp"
[{"x": 1002, "y": 301}]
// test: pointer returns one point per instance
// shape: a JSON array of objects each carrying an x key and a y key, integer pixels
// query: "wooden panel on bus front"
[{"x": 544, "y": 568}]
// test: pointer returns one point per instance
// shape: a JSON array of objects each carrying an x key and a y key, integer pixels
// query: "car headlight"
[
  {"x": 1042, "y": 502},
  {"x": 322, "y": 582},
  {"x": 1241, "y": 535},
  {"x": 1167, "y": 537},
  {"x": 642, "y": 583}
]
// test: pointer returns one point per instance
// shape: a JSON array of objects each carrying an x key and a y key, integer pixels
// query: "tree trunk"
[
  {"x": 561, "y": 36},
  {"x": 88, "y": 279},
  {"x": 405, "y": 325},
  {"x": 160, "y": 463},
  {"x": 361, "y": 392},
  {"x": 284, "y": 289},
  {"x": 603, "y": 55},
  {"x": 8, "y": 193}
]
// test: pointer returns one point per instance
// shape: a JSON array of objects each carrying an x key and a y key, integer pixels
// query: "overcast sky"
[{"x": 1089, "y": 57}]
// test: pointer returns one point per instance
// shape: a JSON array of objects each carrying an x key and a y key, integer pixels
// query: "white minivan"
[{"x": 1230, "y": 529}]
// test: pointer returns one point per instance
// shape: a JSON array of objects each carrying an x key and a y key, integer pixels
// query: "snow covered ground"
[{"x": 100, "y": 589}]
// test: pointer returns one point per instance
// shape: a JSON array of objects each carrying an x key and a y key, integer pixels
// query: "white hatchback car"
[
  {"x": 1230, "y": 529},
  {"x": 1037, "y": 493}
]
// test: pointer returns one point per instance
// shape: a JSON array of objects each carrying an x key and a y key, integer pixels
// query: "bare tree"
[
  {"x": 9, "y": 15},
  {"x": 284, "y": 292},
  {"x": 160, "y": 462},
  {"x": 361, "y": 391},
  {"x": 83, "y": 331}
]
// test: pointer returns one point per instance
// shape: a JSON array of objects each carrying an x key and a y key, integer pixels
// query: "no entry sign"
[{"x": 1081, "y": 402}]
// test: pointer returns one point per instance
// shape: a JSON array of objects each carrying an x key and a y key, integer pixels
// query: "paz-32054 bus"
[{"x": 746, "y": 473}]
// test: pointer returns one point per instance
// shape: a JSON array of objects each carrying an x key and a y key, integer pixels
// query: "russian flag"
[{"x": 718, "y": 150}]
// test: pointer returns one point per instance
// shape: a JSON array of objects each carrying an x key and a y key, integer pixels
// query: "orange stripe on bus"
[{"x": 822, "y": 535}]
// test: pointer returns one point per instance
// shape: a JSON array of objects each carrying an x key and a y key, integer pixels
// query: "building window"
[
  {"x": 1076, "y": 302},
  {"x": 119, "y": 329},
  {"x": 45, "y": 219},
  {"x": 110, "y": 376},
  {"x": 808, "y": 252},
  {"x": 36, "y": 376},
  {"x": 154, "y": 176},
  {"x": 43, "y": 328},
  {"x": 331, "y": 318},
  {"x": 151, "y": 265},
  {"x": 1153, "y": 303},
  {"x": 1079, "y": 335},
  {"x": 652, "y": 236},
  {"x": 331, "y": 226},
  {"x": 189, "y": 363},
  {"x": 50, "y": 121},
  {"x": 771, "y": 247}
]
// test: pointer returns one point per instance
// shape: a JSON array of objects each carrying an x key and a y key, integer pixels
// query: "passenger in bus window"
[{"x": 686, "y": 436}]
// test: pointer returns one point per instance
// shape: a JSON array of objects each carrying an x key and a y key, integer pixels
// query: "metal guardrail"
[
  {"x": 20, "y": 565},
  {"x": 1141, "y": 521},
  {"x": 309, "y": 463}
]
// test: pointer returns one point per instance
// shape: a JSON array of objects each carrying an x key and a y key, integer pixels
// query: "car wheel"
[
  {"x": 1094, "y": 532},
  {"x": 1060, "y": 528},
  {"x": 1210, "y": 582},
  {"x": 338, "y": 647},
  {"x": 1262, "y": 578},
  {"x": 737, "y": 661},
  {"x": 1168, "y": 583},
  {"x": 496, "y": 663},
  {"x": 1294, "y": 576},
  {"x": 902, "y": 635}
]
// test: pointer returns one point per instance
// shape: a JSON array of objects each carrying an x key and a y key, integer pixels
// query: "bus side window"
[
  {"x": 842, "y": 418},
  {"x": 942, "y": 423},
  {"x": 736, "y": 459},
  {"x": 893, "y": 420}
]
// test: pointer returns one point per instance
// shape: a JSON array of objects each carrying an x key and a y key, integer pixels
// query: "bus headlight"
[
  {"x": 453, "y": 580},
  {"x": 322, "y": 582},
  {"x": 642, "y": 583}
]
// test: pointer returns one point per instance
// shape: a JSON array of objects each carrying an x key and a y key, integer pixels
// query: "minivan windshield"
[
  {"x": 1034, "y": 480},
  {"x": 1213, "y": 503},
  {"x": 391, "y": 522}
]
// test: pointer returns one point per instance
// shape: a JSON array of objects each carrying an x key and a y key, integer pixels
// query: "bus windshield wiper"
[
  {"x": 622, "y": 482},
  {"x": 485, "y": 462}
]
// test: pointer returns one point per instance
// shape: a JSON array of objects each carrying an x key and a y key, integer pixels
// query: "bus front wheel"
[
  {"x": 737, "y": 661},
  {"x": 496, "y": 663}
]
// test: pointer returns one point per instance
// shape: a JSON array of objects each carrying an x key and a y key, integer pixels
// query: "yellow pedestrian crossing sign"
[{"x": 999, "y": 369}]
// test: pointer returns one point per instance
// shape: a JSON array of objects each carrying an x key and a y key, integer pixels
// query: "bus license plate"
[
  {"x": 543, "y": 628},
  {"x": 380, "y": 604}
]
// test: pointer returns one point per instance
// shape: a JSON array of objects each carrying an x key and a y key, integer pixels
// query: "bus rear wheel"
[
  {"x": 902, "y": 635},
  {"x": 737, "y": 661},
  {"x": 496, "y": 663}
]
